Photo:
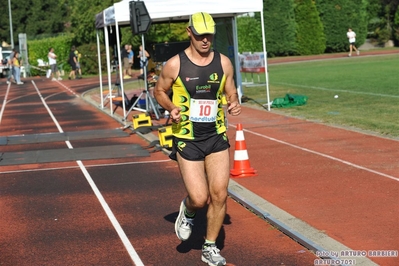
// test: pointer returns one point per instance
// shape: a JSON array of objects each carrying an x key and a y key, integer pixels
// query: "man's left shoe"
[
  {"x": 183, "y": 225},
  {"x": 211, "y": 255}
]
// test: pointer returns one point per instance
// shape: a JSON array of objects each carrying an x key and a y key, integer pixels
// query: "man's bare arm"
[
  {"x": 234, "y": 107},
  {"x": 164, "y": 84}
]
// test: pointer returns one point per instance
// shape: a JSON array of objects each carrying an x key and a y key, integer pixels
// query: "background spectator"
[
  {"x": 52, "y": 60},
  {"x": 17, "y": 62}
]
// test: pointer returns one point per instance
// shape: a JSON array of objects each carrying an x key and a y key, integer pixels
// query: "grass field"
[{"x": 367, "y": 89}]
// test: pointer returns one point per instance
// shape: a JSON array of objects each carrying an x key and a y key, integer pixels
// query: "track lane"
[
  {"x": 341, "y": 182},
  {"x": 62, "y": 220}
]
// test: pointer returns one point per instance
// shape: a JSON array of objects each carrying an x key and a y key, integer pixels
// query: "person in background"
[
  {"x": 199, "y": 77},
  {"x": 131, "y": 59},
  {"x": 17, "y": 62},
  {"x": 144, "y": 57},
  {"x": 78, "y": 71},
  {"x": 11, "y": 74},
  {"x": 52, "y": 60},
  {"x": 125, "y": 61},
  {"x": 72, "y": 62},
  {"x": 352, "y": 40}
]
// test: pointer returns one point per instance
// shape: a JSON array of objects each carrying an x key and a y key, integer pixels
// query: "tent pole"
[
  {"x": 120, "y": 66},
  {"x": 108, "y": 67},
  {"x": 143, "y": 58},
  {"x": 148, "y": 101},
  {"x": 99, "y": 69},
  {"x": 265, "y": 58},
  {"x": 237, "y": 62}
]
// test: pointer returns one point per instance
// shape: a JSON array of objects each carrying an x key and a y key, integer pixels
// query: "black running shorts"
[{"x": 197, "y": 150}]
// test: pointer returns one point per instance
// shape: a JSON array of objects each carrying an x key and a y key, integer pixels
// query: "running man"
[
  {"x": 198, "y": 78},
  {"x": 352, "y": 40}
]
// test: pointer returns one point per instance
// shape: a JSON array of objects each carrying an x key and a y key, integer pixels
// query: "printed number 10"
[{"x": 205, "y": 110}]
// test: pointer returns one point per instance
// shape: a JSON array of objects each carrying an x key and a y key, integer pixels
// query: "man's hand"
[
  {"x": 234, "y": 108},
  {"x": 175, "y": 114}
]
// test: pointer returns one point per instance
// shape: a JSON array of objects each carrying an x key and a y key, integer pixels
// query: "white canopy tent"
[{"x": 177, "y": 11}]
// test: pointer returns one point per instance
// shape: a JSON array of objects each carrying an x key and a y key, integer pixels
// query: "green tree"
[
  {"x": 339, "y": 15},
  {"x": 310, "y": 33},
  {"x": 168, "y": 32},
  {"x": 375, "y": 16},
  {"x": 34, "y": 18},
  {"x": 396, "y": 26},
  {"x": 82, "y": 18},
  {"x": 249, "y": 31},
  {"x": 49, "y": 18},
  {"x": 280, "y": 26},
  {"x": 390, "y": 7}
]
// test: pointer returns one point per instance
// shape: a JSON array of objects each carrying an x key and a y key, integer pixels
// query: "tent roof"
[{"x": 179, "y": 10}]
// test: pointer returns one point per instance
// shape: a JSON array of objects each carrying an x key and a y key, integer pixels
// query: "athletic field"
[{"x": 361, "y": 92}]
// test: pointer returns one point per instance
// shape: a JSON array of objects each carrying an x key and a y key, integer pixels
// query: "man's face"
[{"x": 202, "y": 43}]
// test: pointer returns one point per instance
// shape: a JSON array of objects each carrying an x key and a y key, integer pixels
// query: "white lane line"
[
  {"x": 4, "y": 102},
  {"x": 337, "y": 90},
  {"x": 68, "y": 89},
  {"x": 87, "y": 166},
  {"x": 324, "y": 155},
  {"x": 50, "y": 113},
  {"x": 129, "y": 247}
]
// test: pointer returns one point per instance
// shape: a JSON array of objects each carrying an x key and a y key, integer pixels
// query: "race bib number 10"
[{"x": 203, "y": 110}]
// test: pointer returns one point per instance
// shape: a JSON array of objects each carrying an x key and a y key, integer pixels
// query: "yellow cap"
[{"x": 202, "y": 23}]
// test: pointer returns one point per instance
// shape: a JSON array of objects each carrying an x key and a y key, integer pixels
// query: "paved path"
[
  {"x": 62, "y": 206},
  {"x": 330, "y": 189}
]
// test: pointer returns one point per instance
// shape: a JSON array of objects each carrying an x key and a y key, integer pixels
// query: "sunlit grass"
[{"x": 368, "y": 90}]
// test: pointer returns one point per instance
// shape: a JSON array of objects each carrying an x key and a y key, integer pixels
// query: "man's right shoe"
[
  {"x": 211, "y": 255},
  {"x": 183, "y": 225}
]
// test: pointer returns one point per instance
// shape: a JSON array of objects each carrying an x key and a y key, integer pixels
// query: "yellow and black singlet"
[{"x": 198, "y": 90}]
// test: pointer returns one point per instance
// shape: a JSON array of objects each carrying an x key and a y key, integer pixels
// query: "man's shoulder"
[
  {"x": 174, "y": 59},
  {"x": 224, "y": 59}
]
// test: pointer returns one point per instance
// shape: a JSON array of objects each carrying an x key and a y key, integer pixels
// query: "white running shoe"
[
  {"x": 53, "y": 79},
  {"x": 20, "y": 83},
  {"x": 211, "y": 255},
  {"x": 183, "y": 225},
  {"x": 8, "y": 82},
  {"x": 59, "y": 78}
]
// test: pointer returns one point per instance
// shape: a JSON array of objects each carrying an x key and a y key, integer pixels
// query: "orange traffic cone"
[{"x": 242, "y": 167}]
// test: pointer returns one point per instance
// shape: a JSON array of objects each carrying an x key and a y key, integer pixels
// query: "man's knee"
[
  {"x": 198, "y": 201},
  {"x": 219, "y": 196}
]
